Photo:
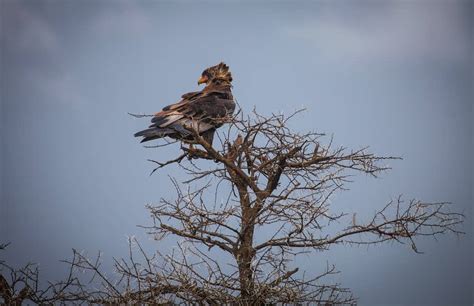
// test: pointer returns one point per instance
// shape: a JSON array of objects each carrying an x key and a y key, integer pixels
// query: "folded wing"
[{"x": 198, "y": 110}]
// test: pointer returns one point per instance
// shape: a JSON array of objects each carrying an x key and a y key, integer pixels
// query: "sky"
[{"x": 394, "y": 75}]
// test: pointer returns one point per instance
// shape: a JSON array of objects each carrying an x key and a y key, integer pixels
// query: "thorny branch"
[{"x": 264, "y": 199}]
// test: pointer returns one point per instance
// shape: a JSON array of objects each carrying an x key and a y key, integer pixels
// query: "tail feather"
[
  {"x": 153, "y": 133},
  {"x": 142, "y": 133},
  {"x": 145, "y": 139},
  {"x": 176, "y": 131}
]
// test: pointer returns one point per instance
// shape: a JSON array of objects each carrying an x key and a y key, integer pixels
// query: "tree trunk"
[
  {"x": 245, "y": 252},
  {"x": 245, "y": 256}
]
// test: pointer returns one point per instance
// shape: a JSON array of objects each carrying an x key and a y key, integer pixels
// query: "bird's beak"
[{"x": 203, "y": 79}]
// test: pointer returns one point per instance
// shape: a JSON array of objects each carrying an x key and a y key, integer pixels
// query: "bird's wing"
[
  {"x": 195, "y": 106},
  {"x": 186, "y": 98}
]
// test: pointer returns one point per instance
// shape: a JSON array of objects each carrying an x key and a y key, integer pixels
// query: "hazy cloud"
[
  {"x": 122, "y": 18},
  {"x": 395, "y": 30},
  {"x": 36, "y": 54},
  {"x": 60, "y": 89},
  {"x": 25, "y": 30}
]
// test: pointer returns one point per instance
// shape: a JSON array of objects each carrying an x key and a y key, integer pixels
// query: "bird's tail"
[{"x": 153, "y": 133}]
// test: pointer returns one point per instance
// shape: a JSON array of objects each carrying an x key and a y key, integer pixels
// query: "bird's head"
[{"x": 219, "y": 72}]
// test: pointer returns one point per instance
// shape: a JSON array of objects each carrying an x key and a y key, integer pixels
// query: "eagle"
[{"x": 202, "y": 110}]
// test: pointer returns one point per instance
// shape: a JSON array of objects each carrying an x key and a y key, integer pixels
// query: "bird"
[{"x": 202, "y": 110}]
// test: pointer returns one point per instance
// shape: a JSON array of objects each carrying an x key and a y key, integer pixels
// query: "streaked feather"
[{"x": 198, "y": 110}]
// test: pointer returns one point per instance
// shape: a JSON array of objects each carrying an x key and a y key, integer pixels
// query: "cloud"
[
  {"x": 24, "y": 30},
  {"x": 396, "y": 30},
  {"x": 38, "y": 52},
  {"x": 34, "y": 55},
  {"x": 124, "y": 18},
  {"x": 58, "y": 89}
]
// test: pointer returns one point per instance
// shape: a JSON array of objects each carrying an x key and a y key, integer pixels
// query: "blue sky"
[{"x": 394, "y": 75}]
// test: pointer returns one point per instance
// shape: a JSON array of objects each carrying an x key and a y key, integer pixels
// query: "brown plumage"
[{"x": 200, "y": 110}]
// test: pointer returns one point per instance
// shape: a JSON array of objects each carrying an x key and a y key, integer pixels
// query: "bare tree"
[{"x": 251, "y": 206}]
